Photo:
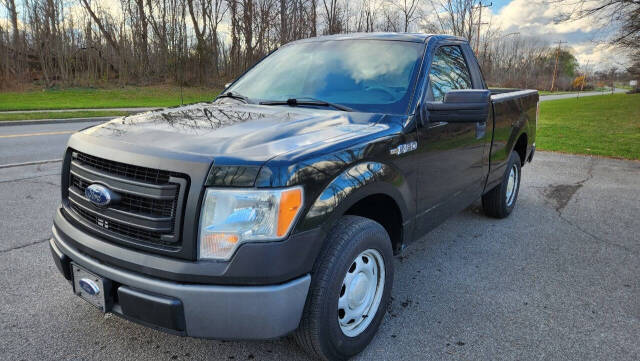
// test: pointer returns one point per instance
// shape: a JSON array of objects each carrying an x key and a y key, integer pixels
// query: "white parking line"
[
  {"x": 36, "y": 134},
  {"x": 12, "y": 165}
]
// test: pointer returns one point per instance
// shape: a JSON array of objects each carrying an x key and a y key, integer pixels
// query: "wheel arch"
[
  {"x": 520, "y": 147},
  {"x": 372, "y": 190}
]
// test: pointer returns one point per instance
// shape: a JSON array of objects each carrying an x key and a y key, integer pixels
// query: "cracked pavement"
[{"x": 558, "y": 280}]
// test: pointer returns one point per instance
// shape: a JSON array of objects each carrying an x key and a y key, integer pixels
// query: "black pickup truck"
[{"x": 277, "y": 208}]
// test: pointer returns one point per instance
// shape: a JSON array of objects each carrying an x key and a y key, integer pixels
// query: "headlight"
[{"x": 230, "y": 217}]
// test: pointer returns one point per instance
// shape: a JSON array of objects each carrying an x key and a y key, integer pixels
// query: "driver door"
[{"x": 450, "y": 150}]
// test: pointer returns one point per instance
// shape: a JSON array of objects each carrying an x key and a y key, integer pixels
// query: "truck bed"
[{"x": 514, "y": 120}]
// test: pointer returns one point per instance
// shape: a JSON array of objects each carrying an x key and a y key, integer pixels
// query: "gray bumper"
[{"x": 212, "y": 311}]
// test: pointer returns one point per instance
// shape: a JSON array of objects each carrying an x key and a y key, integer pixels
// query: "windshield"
[{"x": 366, "y": 75}]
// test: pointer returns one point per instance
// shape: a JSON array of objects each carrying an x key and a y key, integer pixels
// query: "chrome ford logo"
[
  {"x": 89, "y": 286},
  {"x": 99, "y": 195}
]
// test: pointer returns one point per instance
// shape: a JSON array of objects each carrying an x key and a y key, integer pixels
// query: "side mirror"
[
  {"x": 227, "y": 85},
  {"x": 461, "y": 106}
]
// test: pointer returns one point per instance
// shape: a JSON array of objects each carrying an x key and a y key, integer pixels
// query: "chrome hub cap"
[
  {"x": 361, "y": 292},
  {"x": 512, "y": 185}
]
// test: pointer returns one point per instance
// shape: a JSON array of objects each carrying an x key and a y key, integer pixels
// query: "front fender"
[{"x": 352, "y": 185}]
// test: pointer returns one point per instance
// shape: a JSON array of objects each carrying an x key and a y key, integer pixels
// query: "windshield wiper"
[
  {"x": 234, "y": 96},
  {"x": 292, "y": 102}
]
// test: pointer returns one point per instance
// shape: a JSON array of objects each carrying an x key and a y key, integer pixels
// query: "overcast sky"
[{"x": 539, "y": 17}]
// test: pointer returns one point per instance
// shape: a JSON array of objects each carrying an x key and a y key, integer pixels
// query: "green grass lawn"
[
  {"x": 606, "y": 125},
  {"x": 60, "y": 115},
  {"x": 84, "y": 98}
]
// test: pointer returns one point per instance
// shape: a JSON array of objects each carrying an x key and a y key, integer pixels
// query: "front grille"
[
  {"x": 143, "y": 174},
  {"x": 146, "y": 210},
  {"x": 122, "y": 229},
  {"x": 136, "y": 204}
]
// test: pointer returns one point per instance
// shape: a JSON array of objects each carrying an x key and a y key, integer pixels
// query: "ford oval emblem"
[
  {"x": 98, "y": 194},
  {"x": 89, "y": 286}
]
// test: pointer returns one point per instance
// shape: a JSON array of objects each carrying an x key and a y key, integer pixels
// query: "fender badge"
[{"x": 404, "y": 148}]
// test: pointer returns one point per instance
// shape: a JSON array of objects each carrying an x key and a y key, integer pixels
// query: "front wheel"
[
  {"x": 500, "y": 201},
  {"x": 350, "y": 289}
]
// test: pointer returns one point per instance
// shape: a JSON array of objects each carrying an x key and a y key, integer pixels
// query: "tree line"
[{"x": 209, "y": 42}]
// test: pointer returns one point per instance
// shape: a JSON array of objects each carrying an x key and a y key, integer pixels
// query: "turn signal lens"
[
  {"x": 290, "y": 202},
  {"x": 214, "y": 244}
]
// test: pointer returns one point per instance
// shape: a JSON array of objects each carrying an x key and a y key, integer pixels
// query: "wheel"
[
  {"x": 350, "y": 289},
  {"x": 500, "y": 201}
]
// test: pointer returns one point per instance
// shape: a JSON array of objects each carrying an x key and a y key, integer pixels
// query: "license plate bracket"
[{"x": 91, "y": 287}]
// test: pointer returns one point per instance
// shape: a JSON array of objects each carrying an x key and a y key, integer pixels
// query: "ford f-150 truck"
[{"x": 277, "y": 208}]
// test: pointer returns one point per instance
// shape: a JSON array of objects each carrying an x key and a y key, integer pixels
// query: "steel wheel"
[
  {"x": 349, "y": 292},
  {"x": 512, "y": 185},
  {"x": 361, "y": 292},
  {"x": 501, "y": 199}
]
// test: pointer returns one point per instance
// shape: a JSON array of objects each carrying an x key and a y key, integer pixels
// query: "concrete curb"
[{"x": 55, "y": 121}]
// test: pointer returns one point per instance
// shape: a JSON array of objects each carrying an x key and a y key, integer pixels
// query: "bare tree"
[
  {"x": 456, "y": 17},
  {"x": 624, "y": 14},
  {"x": 199, "y": 11},
  {"x": 332, "y": 14},
  {"x": 143, "y": 31},
  {"x": 13, "y": 15},
  {"x": 408, "y": 9},
  {"x": 217, "y": 15}
]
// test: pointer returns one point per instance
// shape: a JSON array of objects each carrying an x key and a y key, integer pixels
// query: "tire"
[
  {"x": 321, "y": 333},
  {"x": 500, "y": 201}
]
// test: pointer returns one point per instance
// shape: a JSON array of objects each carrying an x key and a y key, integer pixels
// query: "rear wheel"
[
  {"x": 500, "y": 201},
  {"x": 350, "y": 289}
]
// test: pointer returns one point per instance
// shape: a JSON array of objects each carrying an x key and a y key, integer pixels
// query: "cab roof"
[{"x": 412, "y": 37}]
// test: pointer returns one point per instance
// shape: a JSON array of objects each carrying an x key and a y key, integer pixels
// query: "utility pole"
[
  {"x": 480, "y": 6},
  {"x": 555, "y": 67}
]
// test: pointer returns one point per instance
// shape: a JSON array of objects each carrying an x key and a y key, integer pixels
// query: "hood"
[{"x": 234, "y": 133}]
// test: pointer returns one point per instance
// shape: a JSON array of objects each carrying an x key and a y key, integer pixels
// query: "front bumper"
[
  {"x": 261, "y": 263},
  {"x": 197, "y": 310}
]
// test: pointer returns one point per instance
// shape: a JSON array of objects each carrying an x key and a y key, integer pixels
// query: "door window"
[{"x": 449, "y": 71}]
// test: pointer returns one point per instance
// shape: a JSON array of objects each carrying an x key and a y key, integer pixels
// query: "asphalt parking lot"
[{"x": 558, "y": 280}]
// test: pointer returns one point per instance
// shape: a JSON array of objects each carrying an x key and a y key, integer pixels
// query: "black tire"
[
  {"x": 496, "y": 202},
  {"x": 320, "y": 333}
]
